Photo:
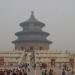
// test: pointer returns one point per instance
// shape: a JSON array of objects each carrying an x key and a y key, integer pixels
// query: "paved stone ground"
[{"x": 34, "y": 72}]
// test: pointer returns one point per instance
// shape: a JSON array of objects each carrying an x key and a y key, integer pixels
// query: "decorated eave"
[
  {"x": 28, "y": 23},
  {"x": 24, "y": 41},
  {"x": 31, "y": 32}
]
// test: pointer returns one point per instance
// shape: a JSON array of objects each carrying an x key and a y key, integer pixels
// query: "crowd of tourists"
[
  {"x": 12, "y": 72},
  {"x": 65, "y": 70},
  {"x": 43, "y": 69},
  {"x": 16, "y": 71}
]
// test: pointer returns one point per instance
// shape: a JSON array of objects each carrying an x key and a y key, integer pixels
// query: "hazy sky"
[{"x": 58, "y": 15}]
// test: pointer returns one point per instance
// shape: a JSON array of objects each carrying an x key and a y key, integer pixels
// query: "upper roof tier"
[{"x": 32, "y": 20}]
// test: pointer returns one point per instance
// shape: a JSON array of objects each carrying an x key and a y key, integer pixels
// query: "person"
[
  {"x": 45, "y": 66},
  {"x": 45, "y": 73},
  {"x": 20, "y": 73},
  {"x": 34, "y": 66},
  {"x": 50, "y": 72},
  {"x": 14, "y": 72},
  {"x": 25, "y": 73},
  {"x": 28, "y": 68},
  {"x": 10, "y": 72},
  {"x": 63, "y": 72},
  {"x": 1, "y": 72},
  {"x": 72, "y": 72},
  {"x": 41, "y": 66},
  {"x": 42, "y": 71}
]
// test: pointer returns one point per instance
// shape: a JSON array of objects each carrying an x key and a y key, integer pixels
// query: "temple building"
[
  {"x": 32, "y": 47},
  {"x": 32, "y": 36}
]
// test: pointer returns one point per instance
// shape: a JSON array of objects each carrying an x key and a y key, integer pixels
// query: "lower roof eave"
[{"x": 33, "y": 41}]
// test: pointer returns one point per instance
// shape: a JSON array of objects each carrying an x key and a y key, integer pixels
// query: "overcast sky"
[{"x": 58, "y": 15}]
